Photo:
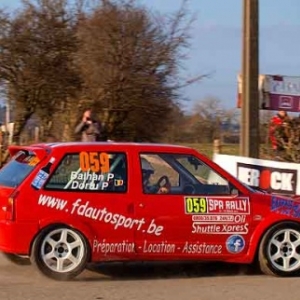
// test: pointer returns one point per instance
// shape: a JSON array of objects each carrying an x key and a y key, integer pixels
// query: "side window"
[
  {"x": 90, "y": 171},
  {"x": 180, "y": 174},
  {"x": 157, "y": 172}
]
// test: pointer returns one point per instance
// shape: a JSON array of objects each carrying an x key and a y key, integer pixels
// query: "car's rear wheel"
[
  {"x": 279, "y": 251},
  {"x": 60, "y": 253},
  {"x": 19, "y": 260}
]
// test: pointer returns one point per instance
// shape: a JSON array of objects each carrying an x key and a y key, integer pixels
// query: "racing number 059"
[
  {"x": 94, "y": 161},
  {"x": 195, "y": 205}
]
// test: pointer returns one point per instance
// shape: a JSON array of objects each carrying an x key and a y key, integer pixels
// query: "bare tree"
[
  {"x": 208, "y": 120},
  {"x": 130, "y": 59},
  {"x": 117, "y": 56},
  {"x": 35, "y": 60}
]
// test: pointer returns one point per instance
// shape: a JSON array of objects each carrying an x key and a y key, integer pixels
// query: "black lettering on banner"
[
  {"x": 195, "y": 205},
  {"x": 272, "y": 180}
]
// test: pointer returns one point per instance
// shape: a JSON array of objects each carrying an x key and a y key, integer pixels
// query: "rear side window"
[
  {"x": 90, "y": 172},
  {"x": 18, "y": 168}
]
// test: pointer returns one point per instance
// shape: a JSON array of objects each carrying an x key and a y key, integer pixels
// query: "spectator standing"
[
  {"x": 276, "y": 131},
  {"x": 89, "y": 127}
]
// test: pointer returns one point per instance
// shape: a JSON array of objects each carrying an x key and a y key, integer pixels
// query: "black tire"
[
  {"x": 17, "y": 259},
  {"x": 39, "y": 246},
  {"x": 274, "y": 267}
]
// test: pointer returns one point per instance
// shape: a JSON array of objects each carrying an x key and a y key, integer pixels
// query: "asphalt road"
[{"x": 145, "y": 282}]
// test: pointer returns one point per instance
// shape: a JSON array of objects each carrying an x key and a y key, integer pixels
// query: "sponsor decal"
[
  {"x": 202, "y": 248},
  {"x": 118, "y": 182},
  {"x": 285, "y": 207},
  {"x": 219, "y": 224},
  {"x": 32, "y": 160},
  {"x": 162, "y": 247},
  {"x": 119, "y": 247},
  {"x": 93, "y": 172},
  {"x": 235, "y": 244},
  {"x": 43, "y": 175},
  {"x": 89, "y": 181},
  {"x": 94, "y": 161},
  {"x": 208, "y": 219},
  {"x": 211, "y": 205},
  {"x": 85, "y": 209},
  {"x": 199, "y": 228},
  {"x": 273, "y": 180}
]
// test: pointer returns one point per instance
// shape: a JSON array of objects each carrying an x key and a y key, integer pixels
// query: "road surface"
[{"x": 146, "y": 282}]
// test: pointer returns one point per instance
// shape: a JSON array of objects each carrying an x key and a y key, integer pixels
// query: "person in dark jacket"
[{"x": 89, "y": 127}]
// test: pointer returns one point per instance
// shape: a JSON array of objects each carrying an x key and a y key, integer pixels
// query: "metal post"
[{"x": 250, "y": 71}]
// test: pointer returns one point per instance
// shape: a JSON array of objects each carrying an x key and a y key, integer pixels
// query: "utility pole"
[{"x": 249, "y": 136}]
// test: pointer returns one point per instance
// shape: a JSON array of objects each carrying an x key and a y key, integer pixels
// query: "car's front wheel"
[
  {"x": 279, "y": 251},
  {"x": 60, "y": 253}
]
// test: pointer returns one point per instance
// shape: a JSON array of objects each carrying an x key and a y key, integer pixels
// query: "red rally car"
[{"x": 64, "y": 205}]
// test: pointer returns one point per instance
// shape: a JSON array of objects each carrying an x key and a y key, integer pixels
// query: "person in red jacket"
[{"x": 276, "y": 124}]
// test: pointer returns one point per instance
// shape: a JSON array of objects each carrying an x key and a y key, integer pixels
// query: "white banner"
[{"x": 272, "y": 176}]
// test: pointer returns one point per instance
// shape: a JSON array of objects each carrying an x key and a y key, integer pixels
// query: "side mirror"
[
  {"x": 234, "y": 191},
  {"x": 195, "y": 162}
]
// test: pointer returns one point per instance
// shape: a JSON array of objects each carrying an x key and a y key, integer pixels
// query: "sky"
[{"x": 216, "y": 40}]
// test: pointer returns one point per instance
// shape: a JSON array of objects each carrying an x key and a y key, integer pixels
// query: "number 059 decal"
[
  {"x": 195, "y": 205},
  {"x": 94, "y": 161}
]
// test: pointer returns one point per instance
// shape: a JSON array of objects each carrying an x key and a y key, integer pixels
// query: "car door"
[
  {"x": 97, "y": 196},
  {"x": 197, "y": 218},
  {"x": 166, "y": 226},
  {"x": 221, "y": 222}
]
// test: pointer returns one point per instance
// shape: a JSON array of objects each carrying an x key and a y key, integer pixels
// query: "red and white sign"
[
  {"x": 276, "y": 92},
  {"x": 228, "y": 206},
  {"x": 271, "y": 176}
]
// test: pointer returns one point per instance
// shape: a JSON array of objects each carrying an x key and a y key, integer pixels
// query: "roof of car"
[{"x": 111, "y": 143}]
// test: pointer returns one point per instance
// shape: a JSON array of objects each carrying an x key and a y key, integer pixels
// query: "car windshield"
[
  {"x": 18, "y": 168},
  {"x": 204, "y": 173}
]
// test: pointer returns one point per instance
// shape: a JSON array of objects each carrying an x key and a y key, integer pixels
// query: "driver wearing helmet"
[{"x": 147, "y": 171}]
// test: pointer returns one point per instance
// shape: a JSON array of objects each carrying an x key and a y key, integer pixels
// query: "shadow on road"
[
  {"x": 140, "y": 271},
  {"x": 148, "y": 270}
]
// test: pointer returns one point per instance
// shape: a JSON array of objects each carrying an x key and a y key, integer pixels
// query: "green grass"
[
  {"x": 230, "y": 149},
  {"x": 207, "y": 149}
]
